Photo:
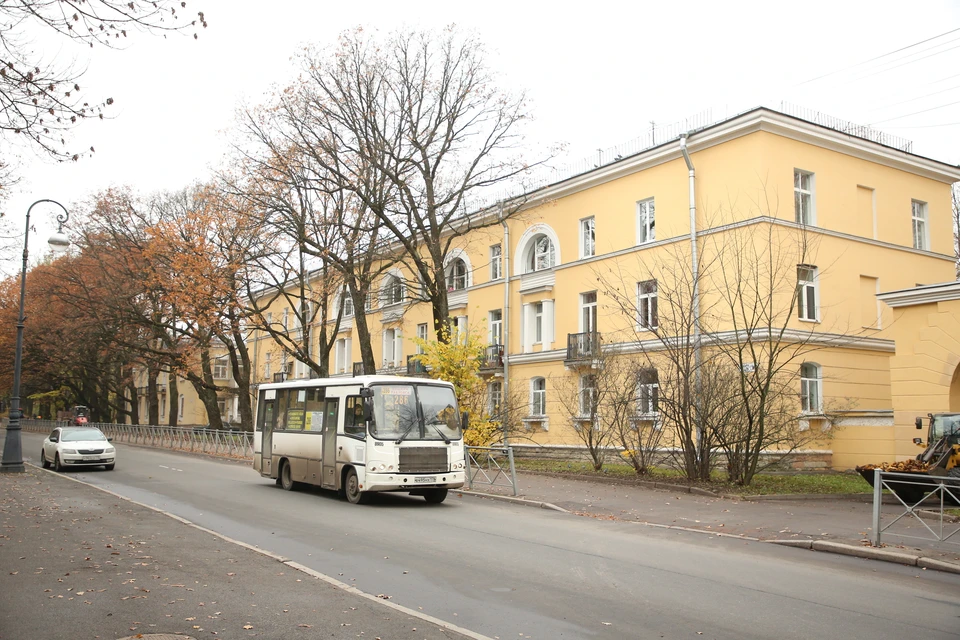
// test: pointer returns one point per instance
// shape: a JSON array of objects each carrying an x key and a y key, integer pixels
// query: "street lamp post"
[{"x": 12, "y": 451}]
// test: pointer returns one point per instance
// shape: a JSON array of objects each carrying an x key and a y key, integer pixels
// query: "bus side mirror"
[
  {"x": 367, "y": 409},
  {"x": 465, "y": 420},
  {"x": 919, "y": 422},
  {"x": 366, "y": 392}
]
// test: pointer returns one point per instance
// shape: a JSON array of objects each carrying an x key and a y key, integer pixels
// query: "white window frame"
[
  {"x": 811, "y": 389},
  {"x": 392, "y": 347},
  {"x": 646, "y": 221},
  {"x": 538, "y": 397},
  {"x": 588, "y": 393},
  {"x": 496, "y": 262},
  {"x": 346, "y": 305},
  {"x": 422, "y": 335},
  {"x": 495, "y": 321},
  {"x": 647, "y": 314},
  {"x": 588, "y": 312},
  {"x": 648, "y": 394},
  {"x": 266, "y": 365},
  {"x": 804, "y": 201},
  {"x": 588, "y": 237},
  {"x": 220, "y": 368},
  {"x": 457, "y": 275},
  {"x": 163, "y": 406},
  {"x": 181, "y": 404},
  {"x": 494, "y": 397},
  {"x": 920, "y": 224},
  {"x": 541, "y": 256},
  {"x": 808, "y": 285},
  {"x": 394, "y": 291},
  {"x": 537, "y": 322}
]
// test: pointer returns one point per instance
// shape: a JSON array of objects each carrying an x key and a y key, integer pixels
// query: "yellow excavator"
[{"x": 940, "y": 457}]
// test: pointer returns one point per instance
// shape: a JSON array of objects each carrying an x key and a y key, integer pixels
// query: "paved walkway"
[{"x": 845, "y": 519}]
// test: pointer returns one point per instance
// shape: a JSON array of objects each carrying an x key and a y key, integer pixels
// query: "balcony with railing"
[
  {"x": 492, "y": 358},
  {"x": 582, "y": 347},
  {"x": 415, "y": 366}
]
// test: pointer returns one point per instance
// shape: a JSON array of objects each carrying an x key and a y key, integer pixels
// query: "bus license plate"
[{"x": 428, "y": 479}]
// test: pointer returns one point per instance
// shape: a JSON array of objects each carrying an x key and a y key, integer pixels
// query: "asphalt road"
[{"x": 510, "y": 571}]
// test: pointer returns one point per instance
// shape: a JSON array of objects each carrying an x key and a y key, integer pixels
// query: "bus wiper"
[
  {"x": 405, "y": 433},
  {"x": 446, "y": 440}
]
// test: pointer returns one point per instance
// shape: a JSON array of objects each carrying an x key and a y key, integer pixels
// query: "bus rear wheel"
[
  {"x": 351, "y": 487},
  {"x": 435, "y": 496}
]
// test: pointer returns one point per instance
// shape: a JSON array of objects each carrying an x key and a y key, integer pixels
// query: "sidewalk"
[
  {"x": 78, "y": 562},
  {"x": 818, "y": 522}
]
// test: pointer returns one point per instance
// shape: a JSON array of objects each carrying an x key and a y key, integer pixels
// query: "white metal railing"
[
  {"x": 485, "y": 467},
  {"x": 217, "y": 442},
  {"x": 917, "y": 496}
]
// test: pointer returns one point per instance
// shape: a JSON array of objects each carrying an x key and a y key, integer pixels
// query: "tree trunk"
[
  {"x": 174, "y": 417},
  {"x": 153, "y": 402}
]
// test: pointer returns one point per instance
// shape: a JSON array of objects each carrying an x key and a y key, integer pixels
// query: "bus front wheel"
[
  {"x": 286, "y": 477},
  {"x": 351, "y": 487},
  {"x": 435, "y": 496}
]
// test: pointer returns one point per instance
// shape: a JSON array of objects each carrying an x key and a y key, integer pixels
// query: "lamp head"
[{"x": 59, "y": 242}]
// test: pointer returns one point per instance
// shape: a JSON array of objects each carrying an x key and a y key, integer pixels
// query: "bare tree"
[
  {"x": 416, "y": 128},
  {"x": 632, "y": 410},
  {"x": 41, "y": 99}
]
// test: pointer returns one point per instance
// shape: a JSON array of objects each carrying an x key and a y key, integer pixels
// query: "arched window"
[
  {"x": 541, "y": 254},
  {"x": 347, "y": 303},
  {"x": 457, "y": 275},
  {"x": 393, "y": 291},
  {"x": 538, "y": 397},
  {"x": 811, "y": 388}
]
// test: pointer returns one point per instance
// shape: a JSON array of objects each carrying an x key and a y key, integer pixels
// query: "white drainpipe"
[
  {"x": 695, "y": 265},
  {"x": 505, "y": 253}
]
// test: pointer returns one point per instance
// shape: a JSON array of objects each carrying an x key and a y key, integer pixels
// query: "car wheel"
[
  {"x": 57, "y": 466},
  {"x": 435, "y": 496},
  {"x": 351, "y": 487},
  {"x": 43, "y": 460},
  {"x": 109, "y": 467},
  {"x": 286, "y": 477}
]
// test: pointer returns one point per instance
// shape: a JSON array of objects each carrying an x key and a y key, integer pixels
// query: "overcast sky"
[{"x": 597, "y": 75}]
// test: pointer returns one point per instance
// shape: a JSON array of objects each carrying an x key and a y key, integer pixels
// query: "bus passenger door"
[
  {"x": 331, "y": 412},
  {"x": 266, "y": 438}
]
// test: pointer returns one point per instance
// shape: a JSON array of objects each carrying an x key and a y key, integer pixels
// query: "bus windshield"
[{"x": 398, "y": 408}]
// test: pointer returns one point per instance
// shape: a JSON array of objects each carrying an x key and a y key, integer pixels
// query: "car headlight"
[
  {"x": 70, "y": 451},
  {"x": 109, "y": 450}
]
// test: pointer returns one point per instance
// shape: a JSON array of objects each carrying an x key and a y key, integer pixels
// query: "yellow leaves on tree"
[{"x": 458, "y": 362}]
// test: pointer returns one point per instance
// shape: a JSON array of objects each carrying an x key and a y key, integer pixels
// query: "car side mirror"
[
  {"x": 918, "y": 422},
  {"x": 54, "y": 439},
  {"x": 109, "y": 439}
]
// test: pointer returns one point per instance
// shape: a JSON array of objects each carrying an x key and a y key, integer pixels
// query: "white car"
[{"x": 77, "y": 447}]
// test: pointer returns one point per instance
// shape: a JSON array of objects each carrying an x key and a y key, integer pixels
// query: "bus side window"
[{"x": 353, "y": 424}]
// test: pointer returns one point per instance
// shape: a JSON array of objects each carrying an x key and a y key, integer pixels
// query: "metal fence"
[
  {"x": 485, "y": 466},
  {"x": 218, "y": 442},
  {"x": 919, "y": 499}
]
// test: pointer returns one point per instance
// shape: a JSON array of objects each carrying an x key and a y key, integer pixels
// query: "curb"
[{"x": 514, "y": 500}]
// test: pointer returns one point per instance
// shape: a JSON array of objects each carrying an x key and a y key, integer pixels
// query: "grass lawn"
[{"x": 763, "y": 484}]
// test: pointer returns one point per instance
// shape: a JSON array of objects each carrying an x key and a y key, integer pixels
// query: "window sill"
[{"x": 817, "y": 321}]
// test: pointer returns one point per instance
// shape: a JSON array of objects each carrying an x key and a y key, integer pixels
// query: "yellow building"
[
  {"x": 186, "y": 403},
  {"x": 871, "y": 218}
]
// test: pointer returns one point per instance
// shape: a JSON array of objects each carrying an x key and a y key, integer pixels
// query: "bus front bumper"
[{"x": 413, "y": 481}]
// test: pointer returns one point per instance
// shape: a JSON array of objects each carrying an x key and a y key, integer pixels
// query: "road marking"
[{"x": 163, "y": 466}]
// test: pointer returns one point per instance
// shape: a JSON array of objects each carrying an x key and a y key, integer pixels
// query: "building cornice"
[
  {"x": 761, "y": 119},
  {"x": 927, "y": 294}
]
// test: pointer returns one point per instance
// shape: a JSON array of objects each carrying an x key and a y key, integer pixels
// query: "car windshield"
[
  {"x": 81, "y": 435},
  {"x": 397, "y": 411}
]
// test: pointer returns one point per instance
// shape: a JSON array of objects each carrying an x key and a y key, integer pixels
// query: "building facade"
[{"x": 847, "y": 217}]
